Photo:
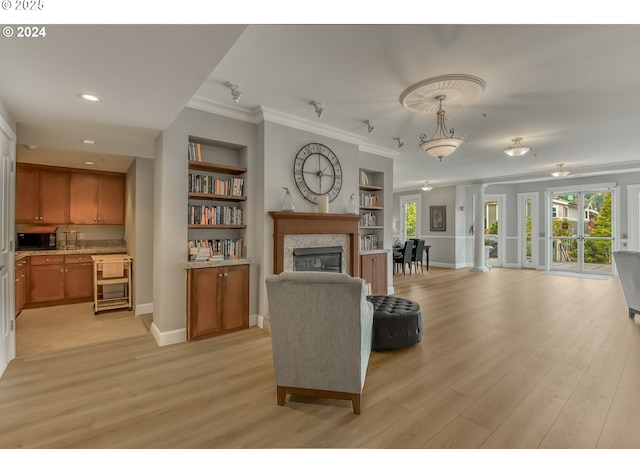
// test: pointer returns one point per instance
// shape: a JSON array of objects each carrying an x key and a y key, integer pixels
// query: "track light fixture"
[
  {"x": 370, "y": 126},
  {"x": 400, "y": 142},
  {"x": 318, "y": 107},
  {"x": 235, "y": 92}
]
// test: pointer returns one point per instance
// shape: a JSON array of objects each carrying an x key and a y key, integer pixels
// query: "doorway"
[
  {"x": 410, "y": 213},
  {"x": 494, "y": 213},
  {"x": 528, "y": 230},
  {"x": 581, "y": 223}
]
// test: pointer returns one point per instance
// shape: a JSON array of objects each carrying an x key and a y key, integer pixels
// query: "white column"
[{"x": 478, "y": 226}]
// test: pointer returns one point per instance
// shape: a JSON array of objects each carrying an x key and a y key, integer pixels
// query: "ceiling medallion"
[{"x": 460, "y": 90}]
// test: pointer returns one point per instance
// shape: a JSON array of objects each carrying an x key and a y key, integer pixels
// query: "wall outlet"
[{"x": 80, "y": 235}]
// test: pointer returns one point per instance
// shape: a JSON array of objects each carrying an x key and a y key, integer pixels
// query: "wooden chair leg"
[
  {"x": 281, "y": 394},
  {"x": 356, "y": 403}
]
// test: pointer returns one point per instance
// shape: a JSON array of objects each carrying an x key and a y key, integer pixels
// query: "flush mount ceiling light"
[
  {"x": 560, "y": 171},
  {"x": 400, "y": 142},
  {"x": 428, "y": 96},
  {"x": 318, "y": 107},
  {"x": 517, "y": 149},
  {"x": 89, "y": 97},
  {"x": 426, "y": 187},
  {"x": 370, "y": 126},
  {"x": 235, "y": 92}
]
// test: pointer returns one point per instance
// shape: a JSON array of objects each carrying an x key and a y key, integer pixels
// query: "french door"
[
  {"x": 581, "y": 231},
  {"x": 410, "y": 217},
  {"x": 528, "y": 229}
]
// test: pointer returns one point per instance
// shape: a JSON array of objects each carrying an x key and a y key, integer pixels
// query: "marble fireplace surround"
[{"x": 307, "y": 229}]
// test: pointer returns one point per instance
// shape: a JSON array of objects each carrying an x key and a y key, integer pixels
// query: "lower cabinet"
[
  {"x": 217, "y": 300},
  {"x": 373, "y": 269},
  {"x": 60, "y": 279},
  {"x": 22, "y": 284}
]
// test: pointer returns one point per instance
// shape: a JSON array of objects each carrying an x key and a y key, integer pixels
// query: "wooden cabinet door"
[
  {"x": 78, "y": 280},
  {"x": 27, "y": 192},
  {"x": 379, "y": 287},
  {"x": 111, "y": 199},
  {"x": 235, "y": 297},
  {"x": 366, "y": 269},
  {"x": 204, "y": 311},
  {"x": 83, "y": 204},
  {"x": 47, "y": 283},
  {"x": 21, "y": 287},
  {"x": 54, "y": 197}
]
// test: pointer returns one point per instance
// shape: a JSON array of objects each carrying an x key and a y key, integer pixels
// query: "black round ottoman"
[{"x": 397, "y": 323}]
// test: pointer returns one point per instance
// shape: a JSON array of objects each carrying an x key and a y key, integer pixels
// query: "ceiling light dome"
[
  {"x": 443, "y": 142},
  {"x": 517, "y": 149},
  {"x": 427, "y": 187}
]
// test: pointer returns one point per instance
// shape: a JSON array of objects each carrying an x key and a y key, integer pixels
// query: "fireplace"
[
  {"x": 325, "y": 258},
  {"x": 333, "y": 229}
]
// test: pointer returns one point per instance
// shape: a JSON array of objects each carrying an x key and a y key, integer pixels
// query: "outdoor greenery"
[
  {"x": 410, "y": 214},
  {"x": 599, "y": 251}
]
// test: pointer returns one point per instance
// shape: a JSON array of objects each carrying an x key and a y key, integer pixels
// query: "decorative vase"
[
  {"x": 352, "y": 207},
  {"x": 287, "y": 202}
]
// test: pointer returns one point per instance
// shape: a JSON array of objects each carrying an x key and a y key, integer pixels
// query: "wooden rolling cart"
[{"x": 111, "y": 282}]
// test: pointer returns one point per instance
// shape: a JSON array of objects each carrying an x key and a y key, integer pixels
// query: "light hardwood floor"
[{"x": 508, "y": 359}]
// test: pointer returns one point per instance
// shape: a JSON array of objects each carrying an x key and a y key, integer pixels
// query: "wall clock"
[{"x": 317, "y": 171}]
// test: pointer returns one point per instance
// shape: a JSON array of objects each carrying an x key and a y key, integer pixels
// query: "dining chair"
[
  {"x": 417, "y": 254},
  {"x": 404, "y": 256}
]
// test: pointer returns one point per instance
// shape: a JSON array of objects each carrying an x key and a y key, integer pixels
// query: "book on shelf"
[
  {"x": 368, "y": 219},
  {"x": 215, "y": 215},
  {"x": 199, "y": 183},
  {"x": 368, "y": 242},
  {"x": 194, "y": 152},
  {"x": 369, "y": 200},
  {"x": 217, "y": 249}
]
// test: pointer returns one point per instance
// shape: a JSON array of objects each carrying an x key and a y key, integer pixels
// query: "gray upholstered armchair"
[
  {"x": 321, "y": 326},
  {"x": 628, "y": 263}
]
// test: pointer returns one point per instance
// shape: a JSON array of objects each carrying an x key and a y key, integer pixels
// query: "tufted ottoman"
[{"x": 397, "y": 323}]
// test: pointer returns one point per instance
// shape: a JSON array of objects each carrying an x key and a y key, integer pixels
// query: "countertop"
[
  {"x": 218, "y": 263},
  {"x": 57, "y": 252},
  {"x": 375, "y": 251}
]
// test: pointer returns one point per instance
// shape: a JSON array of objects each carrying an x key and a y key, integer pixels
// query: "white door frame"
[
  {"x": 579, "y": 189},
  {"x": 406, "y": 199},
  {"x": 522, "y": 240},
  {"x": 7, "y": 243},
  {"x": 633, "y": 218},
  {"x": 502, "y": 224}
]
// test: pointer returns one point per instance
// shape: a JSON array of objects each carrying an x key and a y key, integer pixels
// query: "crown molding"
[{"x": 261, "y": 113}]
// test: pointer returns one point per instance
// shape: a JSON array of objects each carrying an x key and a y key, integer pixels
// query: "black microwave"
[{"x": 30, "y": 241}]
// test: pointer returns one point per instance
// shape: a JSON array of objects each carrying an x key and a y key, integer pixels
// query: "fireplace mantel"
[{"x": 290, "y": 223}]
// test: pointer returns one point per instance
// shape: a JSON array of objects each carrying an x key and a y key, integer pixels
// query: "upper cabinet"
[
  {"x": 53, "y": 195},
  {"x": 97, "y": 198},
  {"x": 42, "y": 195}
]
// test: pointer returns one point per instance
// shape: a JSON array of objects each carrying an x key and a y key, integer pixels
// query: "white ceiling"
[{"x": 570, "y": 91}]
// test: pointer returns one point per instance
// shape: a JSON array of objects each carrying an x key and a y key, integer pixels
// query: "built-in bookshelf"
[
  {"x": 216, "y": 218},
  {"x": 371, "y": 199}
]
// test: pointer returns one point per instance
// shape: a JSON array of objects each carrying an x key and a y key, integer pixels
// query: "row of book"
[
  {"x": 209, "y": 184},
  {"x": 216, "y": 249},
  {"x": 368, "y": 242},
  {"x": 194, "y": 152},
  {"x": 369, "y": 220},
  {"x": 214, "y": 215},
  {"x": 369, "y": 200}
]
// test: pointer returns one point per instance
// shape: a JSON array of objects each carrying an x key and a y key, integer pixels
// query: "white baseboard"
[
  {"x": 169, "y": 337},
  {"x": 511, "y": 265},
  {"x": 144, "y": 309},
  {"x": 254, "y": 320}
]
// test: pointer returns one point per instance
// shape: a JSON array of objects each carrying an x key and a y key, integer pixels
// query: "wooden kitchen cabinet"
[
  {"x": 60, "y": 279},
  {"x": 47, "y": 279},
  {"x": 217, "y": 300},
  {"x": 42, "y": 195},
  {"x": 22, "y": 284},
  {"x": 373, "y": 269},
  {"x": 78, "y": 277},
  {"x": 97, "y": 198}
]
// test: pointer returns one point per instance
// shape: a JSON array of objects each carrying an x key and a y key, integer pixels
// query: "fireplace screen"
[{"x": 326, "y": 258}]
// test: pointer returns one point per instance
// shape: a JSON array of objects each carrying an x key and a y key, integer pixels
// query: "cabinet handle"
[
  {"x": 66, "y": 271},
  {"x": 22, "y": 276},
  {"x": 61, "y": 270},
  {"x": 40, "y": 218},
  {"x": 226, "y": 274},
  {"x": 95, "y": 219},
  {"x": 99, "y": 219}
]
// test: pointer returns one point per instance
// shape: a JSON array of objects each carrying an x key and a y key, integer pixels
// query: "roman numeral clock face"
[{"x": 317, "y": 171}]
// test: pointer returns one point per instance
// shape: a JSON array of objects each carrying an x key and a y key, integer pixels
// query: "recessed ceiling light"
[
  {"x": 88, "y": 141},
  {"x": 89, "y": 162},
  {"x": 89, "y": 97}
]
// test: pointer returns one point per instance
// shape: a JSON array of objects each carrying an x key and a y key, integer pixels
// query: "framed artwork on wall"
[{"x": 438, "y": 218}]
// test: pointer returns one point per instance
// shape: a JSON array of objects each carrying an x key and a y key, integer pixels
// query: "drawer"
[
  {"x": 47, "y": 260},
  {"x": 22, "y": 263},
  {"x": 77, "y": 258}
]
